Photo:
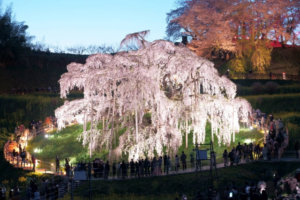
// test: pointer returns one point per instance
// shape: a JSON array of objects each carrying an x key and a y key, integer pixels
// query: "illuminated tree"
[
  {"x": 244, "y": 27},
  {"x": 159, "y": 93}
]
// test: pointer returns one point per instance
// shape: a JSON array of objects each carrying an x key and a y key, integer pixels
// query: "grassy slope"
[
  {"x": 66, "y": 144},
  {"x": 20, "y": 109},
  {"x": 36, "y": 70}
]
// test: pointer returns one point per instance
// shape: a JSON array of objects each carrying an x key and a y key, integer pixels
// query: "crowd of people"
[
  {"x": 275, "y": 141},
  {"x": 276, "y": 135},
  {"x": 140, "y": 168}
]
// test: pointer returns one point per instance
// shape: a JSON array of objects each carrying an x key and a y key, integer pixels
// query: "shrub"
[
  {"x": 257, "y": 88},
  {"x": 271, "y": 87}
]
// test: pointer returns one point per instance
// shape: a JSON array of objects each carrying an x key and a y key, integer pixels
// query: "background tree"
[
  {"x": 244, "y": 27},
  {"x": 13, "y": 37}
]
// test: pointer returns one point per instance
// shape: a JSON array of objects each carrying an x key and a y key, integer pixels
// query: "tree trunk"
[
  {"x": 136, "y": 126},
  {"x": 186, "y": 131},
  {"x": 112, "y": 135}
]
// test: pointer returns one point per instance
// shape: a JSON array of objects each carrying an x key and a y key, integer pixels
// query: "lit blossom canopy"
[{"x": 157, "y": 94}]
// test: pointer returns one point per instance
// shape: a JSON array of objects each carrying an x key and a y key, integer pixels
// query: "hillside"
[
  {"x": 39, "y": 70},
  {"x": 35, "y": 70}
]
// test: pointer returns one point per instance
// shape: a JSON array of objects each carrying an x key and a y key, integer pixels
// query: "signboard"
[{"x": 201, "y": 154}]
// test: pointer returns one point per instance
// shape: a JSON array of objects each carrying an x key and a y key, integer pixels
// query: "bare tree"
[
  {"x": 79, "y": 49},
  {"x": 134, "y": 41}
]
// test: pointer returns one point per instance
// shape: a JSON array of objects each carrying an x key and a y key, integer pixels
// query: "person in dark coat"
[
  {"x": 225, "y": 158},
  {"x": 57, "y": 164},
  {"x": 106, "y": 170},
  {"x": 183, "y": 160},
  {"x": 124, "y": 169}
]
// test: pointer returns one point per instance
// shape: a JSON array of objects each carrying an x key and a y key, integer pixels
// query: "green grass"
[
  {"x": 244, "y": 134},
  {"x": 65, "y": 144},
  {"x": 260, "y": 87},
  {"x": 275, "y": 103},
  {"x": 24, "y": 108}
]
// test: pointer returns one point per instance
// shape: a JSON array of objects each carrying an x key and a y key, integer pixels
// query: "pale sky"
[{"x": 66, "y": 23}]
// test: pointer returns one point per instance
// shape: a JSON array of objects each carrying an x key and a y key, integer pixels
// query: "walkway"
[{"x": 289, "y": 156}]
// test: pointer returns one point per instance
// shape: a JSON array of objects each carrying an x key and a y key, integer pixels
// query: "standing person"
[
  {"x": 67, "y": 167},
  {"x": 114, "y": 169},
  {"x": 239, "y": 148},
  {"x": 159, "y": 165},
  {"x": 33, "y": 162},
  {"x": 192, "y": 160},
  {"x": 183, "y": 160},
  {"x": 137, "y": 168},
  {"x": 123, "y": 169},
  {"x": 297, "y": 149},
  {"x": 20, "y": 148},
  {"x": 14, "y": 153},
  {"x": 232, "y": 156},
  {"x": 165, "y": 163},
  {"x": 225, "y": 157},
  {"x": 168, "y": 164},
  {"x": 177, "y": 165},
  {"x": 132, "y": 168},
  {"x": 106, "y": 170},
  {"x": 154, "y": 166},
  {"x": 23, "y": 156},
  {"x": 198, "y": 158},
  {"x": 265, "y": 152},
  {"x": 146, "y": 167},
  {"x": 57, "y": 164}
]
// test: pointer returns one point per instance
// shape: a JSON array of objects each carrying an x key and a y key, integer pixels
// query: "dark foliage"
[{"x": 13, "y": 38}]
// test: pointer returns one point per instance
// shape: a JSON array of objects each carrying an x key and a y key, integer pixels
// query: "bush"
[
  {"x": 271, "y": 87},
  {"x": 257, "y": 88}
]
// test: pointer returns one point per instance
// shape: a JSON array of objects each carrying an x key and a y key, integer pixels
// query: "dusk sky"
[{"x": 66, "y": 23}]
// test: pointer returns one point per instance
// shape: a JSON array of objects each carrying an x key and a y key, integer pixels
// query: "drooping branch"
[{"x": 150, "y": 92}]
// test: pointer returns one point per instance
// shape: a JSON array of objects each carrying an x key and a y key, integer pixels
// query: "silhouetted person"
[
  {"x": 106, "y": 170},
  {"x": 114, "y": 169},
  {"x": 177, "y": 165},
  {"x": 132, "y": 168},
  {"x": 183, "y": 160},
  {"x": 225, "y": 158},
  {"x": 67, "y": 167},
  {"x": 192, "y": 160},
  {"x": 23, "y": 156},
  {"x": 57, "y": 164},
  {"x": 165, "y": 163},
  {"x": 124, "y": 169},
  {"x": 33, "y": 160}
]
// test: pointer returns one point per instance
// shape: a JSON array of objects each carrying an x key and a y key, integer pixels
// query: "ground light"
[{"x": 37, "y": 150}]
